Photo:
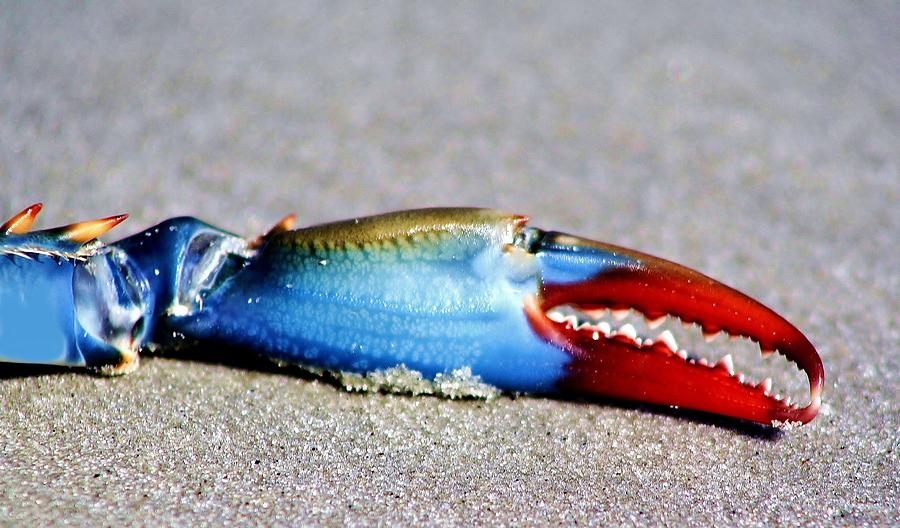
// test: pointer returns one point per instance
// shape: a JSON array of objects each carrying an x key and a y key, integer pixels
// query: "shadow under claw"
[
  {"x": 25, "y": 370},
  {"x": 239, "y": 358},
  {"x": 236, "y": 357},
  {"x": 741, "y": 427}
]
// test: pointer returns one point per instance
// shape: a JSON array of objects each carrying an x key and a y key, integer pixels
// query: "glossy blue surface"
[
  {"x": 563, "y": 260},
  {"x": 433, "y": 290},
  {"x": 36, "y": 312},
  {"x": 432, "y": 306},
  {"x": 159, "y": 253}
]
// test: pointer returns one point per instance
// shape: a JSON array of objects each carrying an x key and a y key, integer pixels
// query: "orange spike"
[
  {"x": 20, "y": 224},
  {"x": 285, "y": 224},
  {"x": 87, "y": 231}
]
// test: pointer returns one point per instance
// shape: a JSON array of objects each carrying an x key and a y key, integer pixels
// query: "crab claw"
[
  {"x": 443, "y": 290},
  {"x": 587, "y": 276}
]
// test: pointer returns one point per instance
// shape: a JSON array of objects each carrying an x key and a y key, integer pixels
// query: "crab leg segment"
[{"x": 65, "y": 299}]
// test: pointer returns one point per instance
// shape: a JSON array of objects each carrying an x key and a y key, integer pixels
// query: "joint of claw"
[{"x": 657, "y": 333}]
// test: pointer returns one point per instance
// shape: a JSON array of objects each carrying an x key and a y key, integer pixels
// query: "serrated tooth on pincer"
[
  {"x": 595, "y": 314},
  {"x": 582, "y": 325},
  {"x": 556, "y": 316},
  {"x": 628, "y": 331},
  {"x": 653, "y": 324},
  {"x": 682, "y": 354},
  {"x": 604, "y": 327},
  {"x": 668, "y": 339},
  {"x": 766, "y": 385},
  {"x": 620, "y": 313},
  {"x": 709, "y": 337},
  {"x": 766, "y": 352},
  {"x": 728, "y": 363}
]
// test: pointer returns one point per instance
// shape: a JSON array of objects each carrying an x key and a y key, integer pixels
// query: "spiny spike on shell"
[
  {"x": 285, "y": 224},
  {"x": 83, "y": 232},
  {"x": 70, "y": 241},
  {"x": 21, "y": 222}
]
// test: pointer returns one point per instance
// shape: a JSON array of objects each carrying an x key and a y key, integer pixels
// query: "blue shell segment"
[
  {"x": 436, "y": 295},
  {"x": 42, "y": 243},
  {"x": 160, "y": 253},
  {"x": 565, "y": 259},
  {"x": 54, "y": 310},
  {"x": 36, "y": 311}
]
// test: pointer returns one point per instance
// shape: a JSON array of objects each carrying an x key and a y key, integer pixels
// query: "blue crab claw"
[
  {"x": 434, "y": 290},
  {"x": 443, "y": 289}
]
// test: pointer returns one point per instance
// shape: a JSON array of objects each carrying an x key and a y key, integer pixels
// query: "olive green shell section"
[{"x": 406, "y": 232}]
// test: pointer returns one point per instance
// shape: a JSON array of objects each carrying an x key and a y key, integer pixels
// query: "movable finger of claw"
[{"x": 20, "y": 223}]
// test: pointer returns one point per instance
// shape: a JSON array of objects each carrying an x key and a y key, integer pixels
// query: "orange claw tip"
[
  {"x": 86, "y": 231},
  {"x": 21, "y": 223}
]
